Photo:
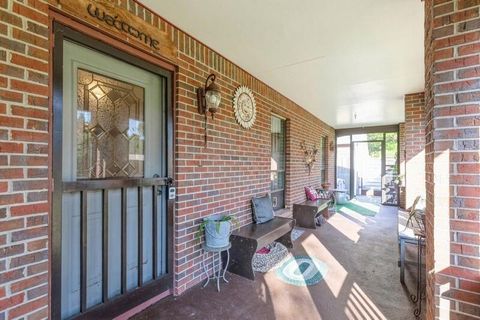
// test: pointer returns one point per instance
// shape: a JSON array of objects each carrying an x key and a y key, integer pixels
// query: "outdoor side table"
[
  {"x": 221, "y": 271},
  {"x": 417, "y": 298}
]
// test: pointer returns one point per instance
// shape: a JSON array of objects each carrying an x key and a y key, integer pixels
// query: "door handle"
[{"x": 168, "y": 180}]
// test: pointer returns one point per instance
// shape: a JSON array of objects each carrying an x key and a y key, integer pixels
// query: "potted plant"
[{"x": 217, "y": 229}]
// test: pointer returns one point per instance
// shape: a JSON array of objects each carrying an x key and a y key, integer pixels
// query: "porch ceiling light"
[{"x": 209, "y": 98}]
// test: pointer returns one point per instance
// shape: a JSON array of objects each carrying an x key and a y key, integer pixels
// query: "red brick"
[
  {"x": 14, "y": 173},
  {"x": 12, "y": 224},
  {"x": 7, "y": 199},
  {"x": 457, "y": 40},
  {"x": 469, "y": 73},
  {"x": 29, "y": 282},
  {"x": 29, "y": 209},
  {"x": 27, "y": 259},
  {"x": 12, "y": 44},
  {"x": 29, "y": 13},
  {"x": 37, "y": 125},
  {"x": 29, "y": 136},
  {"x": 10, "y": 147},
  {"x": 10, "y": 18},
  {"x": 29, "y": 87},
  {"x": 469, "y": 168},
  {"x": 29, "y": 234},
  {"x": 457, "y": 63},
  {"x": 11, "y": 71},
  {"x": 25, "y": 185},
  {"x": 38, "y": 53},
  {"x": 11, "y": 275},
  {"x": 11, "y": 96},
  {"x": 11, "y": 250},
  {"x": 36, "y": 245},
  {"x": 38, "y": 315},
  {"x": 27, "y": 307},
  {"x": 7, "y": 121},
  {"x": 463, "y": 4},
  {"x": 37, "y": 268},
  {"x": 29, "y": 112},
  {"x": 469, "y": 49},
  {"x": 37, "y": 220},
  {"x": 38, "y": 101},
  {"x": 30, "y": 38},
  {"x": 20, "y": 60},
  {"x": 28, "y": 161},
  {"x": 11, "y": 301}
]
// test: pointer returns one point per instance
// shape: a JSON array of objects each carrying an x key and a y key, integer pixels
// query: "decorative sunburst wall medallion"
[{"x": 244, "y": 107}]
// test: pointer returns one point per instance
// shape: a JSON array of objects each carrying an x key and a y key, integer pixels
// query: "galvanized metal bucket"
[{"x": 217, "y": 233}]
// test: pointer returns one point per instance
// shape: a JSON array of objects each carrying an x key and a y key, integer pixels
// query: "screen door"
[{"x": 113, "y": 189}]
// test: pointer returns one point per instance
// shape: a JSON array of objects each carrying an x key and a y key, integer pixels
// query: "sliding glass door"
[{"x": 367, "y": 163}]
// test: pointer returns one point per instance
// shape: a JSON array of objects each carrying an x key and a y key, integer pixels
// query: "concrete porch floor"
[{"x": 362, "y": 280}]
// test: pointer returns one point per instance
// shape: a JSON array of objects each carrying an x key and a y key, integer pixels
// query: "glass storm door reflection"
[{"x": 113, "y": 199}]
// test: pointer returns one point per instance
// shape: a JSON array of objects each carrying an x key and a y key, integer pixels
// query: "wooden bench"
[
  {"x": 251, "y": 238},
  {"x": 305, "y": 213}
]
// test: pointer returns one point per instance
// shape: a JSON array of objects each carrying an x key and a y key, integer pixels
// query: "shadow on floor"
[{"x": 362, "y": 282}]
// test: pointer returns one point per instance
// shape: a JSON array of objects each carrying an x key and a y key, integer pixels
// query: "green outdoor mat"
[{"x": 363, "y": 208}]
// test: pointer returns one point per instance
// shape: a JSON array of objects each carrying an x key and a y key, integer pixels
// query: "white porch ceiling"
[{"x": 349, "y": 62}]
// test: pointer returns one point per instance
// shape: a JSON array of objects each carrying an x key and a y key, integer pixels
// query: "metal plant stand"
[
  {"x": 417, "y": 297},
  {"x": 216, "y": 274}
]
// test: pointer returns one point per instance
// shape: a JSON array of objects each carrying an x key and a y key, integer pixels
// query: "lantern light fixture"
[{"x": 209, "y": 98}]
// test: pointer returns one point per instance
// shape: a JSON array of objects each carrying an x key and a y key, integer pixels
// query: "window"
[
  {"x": 323, "y": 159},
  {"x": 277, "y": 166}
]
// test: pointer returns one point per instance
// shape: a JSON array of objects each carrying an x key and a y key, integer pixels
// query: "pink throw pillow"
[{"x": 312, "y": 195}]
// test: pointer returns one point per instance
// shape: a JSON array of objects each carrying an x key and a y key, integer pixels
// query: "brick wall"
[
  {"x": 219, "y": 179},
  {"x": 23, "y": 159},
  {"x": 401, "y": 161},
  {"x": 414, "y": 147},
  {"x": 235, "y": 167},
  {"x": 452, "y": 33}
]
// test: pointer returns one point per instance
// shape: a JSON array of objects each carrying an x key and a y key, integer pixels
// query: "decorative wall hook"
[{"x": 310, "y": 156}]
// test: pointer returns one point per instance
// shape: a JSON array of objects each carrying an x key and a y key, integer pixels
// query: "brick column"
[
  {"x": 452, "y": 74},
  {"x": 414, "y": 147}
]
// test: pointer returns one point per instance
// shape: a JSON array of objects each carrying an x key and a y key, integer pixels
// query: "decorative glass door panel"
[
  {"x": 113, "y": 202},
  {"x": 110, "y": 127}
]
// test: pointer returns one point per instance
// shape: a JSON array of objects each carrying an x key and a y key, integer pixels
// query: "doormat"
[
  {"x": 302, "y": 271},
  {"x": 363, "y": 208}
]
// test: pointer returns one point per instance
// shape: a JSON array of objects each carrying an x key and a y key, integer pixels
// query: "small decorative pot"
[
  {"x": 326, "y": 185},
  {"x": 217, "y": 233}
]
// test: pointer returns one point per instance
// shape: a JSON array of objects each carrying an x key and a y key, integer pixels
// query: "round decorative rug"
[{"x": 302, "y": 271}]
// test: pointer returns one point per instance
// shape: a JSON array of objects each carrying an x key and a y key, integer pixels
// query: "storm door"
[{"x": 112, "y": 197}]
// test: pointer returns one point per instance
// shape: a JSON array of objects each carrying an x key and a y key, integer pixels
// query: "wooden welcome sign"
[{"x": 108, "y": 15}]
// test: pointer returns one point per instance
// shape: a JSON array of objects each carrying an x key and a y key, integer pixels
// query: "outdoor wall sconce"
[
  {"x": 209, "y": 98},
  {"x": 310, "y": 156}
]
